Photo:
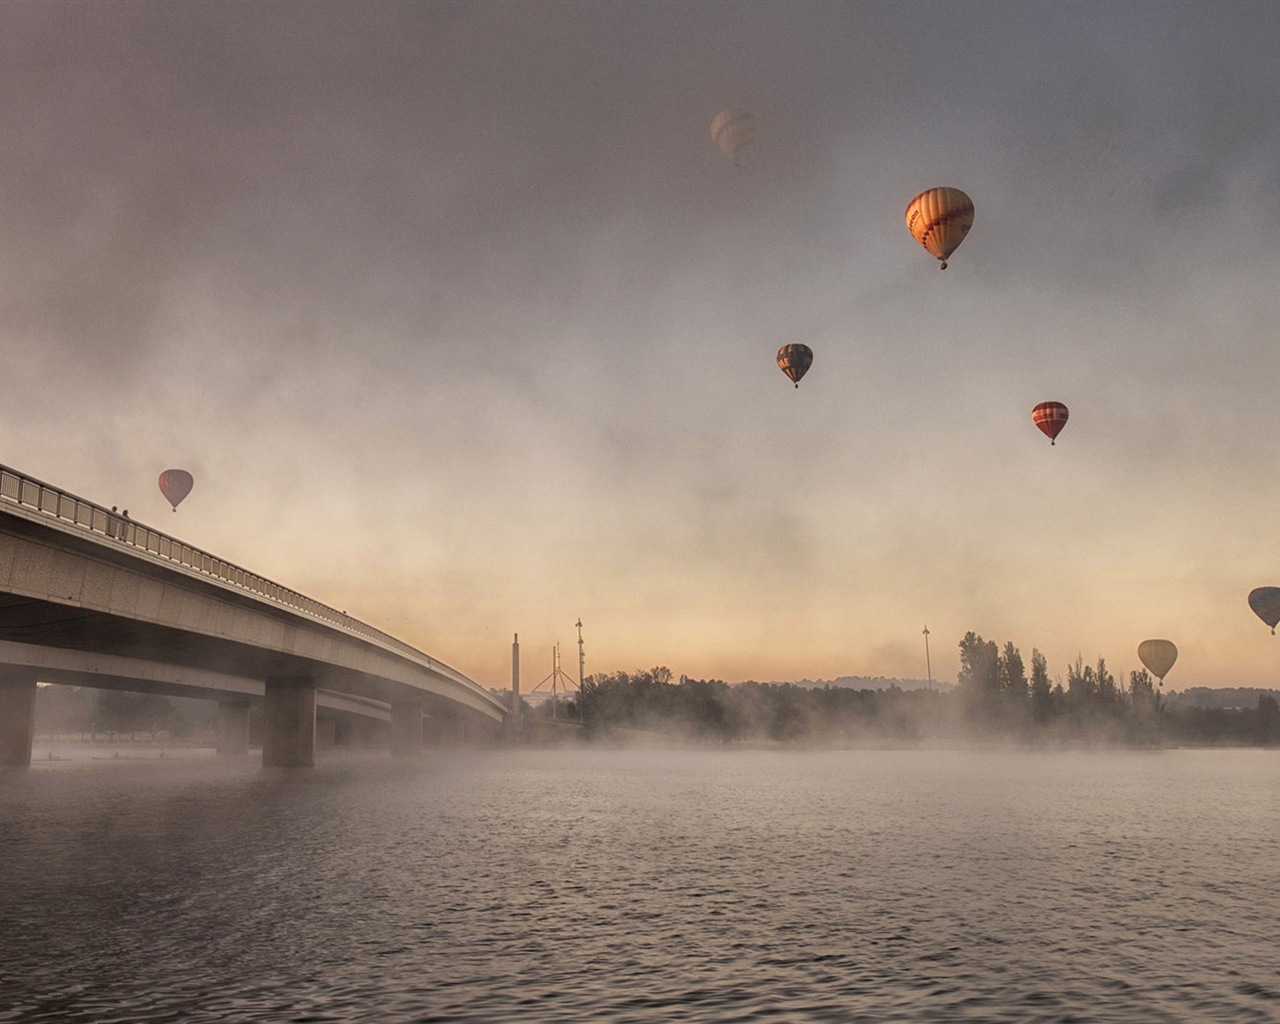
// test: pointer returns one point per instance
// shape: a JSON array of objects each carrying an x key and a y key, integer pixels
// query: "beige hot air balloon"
[
  {"x": 1158, "y": 656},
  {"x": 733, "y": 130},
  {"x": 939, "y": 219}
]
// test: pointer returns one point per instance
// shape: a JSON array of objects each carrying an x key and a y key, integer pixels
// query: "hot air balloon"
[
  {"x": 175, "y": 484},
  {"x": 1050, "y": 417},
  {"x": 733, "y": 131},
  {"x": 795, "y": 360},
  {"x": 939, "y": 219},
  {"x": 1158, "y": 656},
  {"x": 1265, "y": 602}
]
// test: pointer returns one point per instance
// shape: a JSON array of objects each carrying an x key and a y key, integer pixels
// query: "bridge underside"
[
  {"x": 83, "y": 647},
  {"x": 82, "y": 608},
  {"x": 30, "y": 621}
]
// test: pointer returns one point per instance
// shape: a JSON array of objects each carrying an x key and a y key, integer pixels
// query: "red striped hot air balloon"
[
  {"x": 940, "y": 219},
  {"x": 795, "y": 360},
  {"x": 1050, "y": 417}
]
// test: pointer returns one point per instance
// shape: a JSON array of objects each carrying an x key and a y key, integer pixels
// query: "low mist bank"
[{"x": 993, "y": 700}]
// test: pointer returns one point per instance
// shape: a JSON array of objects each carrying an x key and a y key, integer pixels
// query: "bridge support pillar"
[
  {"x": 289, "y": 723},
  {"x": 233, "y": 728},
  {"x": 406, "y": 729},
  {"x": 17, "y": 715}
]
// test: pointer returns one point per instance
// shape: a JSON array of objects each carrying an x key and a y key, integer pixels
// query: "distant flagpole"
[{"x": 927, "y": 666}]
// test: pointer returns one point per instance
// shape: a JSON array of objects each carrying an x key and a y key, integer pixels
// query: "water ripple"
[{"x": 551, "y": 886}]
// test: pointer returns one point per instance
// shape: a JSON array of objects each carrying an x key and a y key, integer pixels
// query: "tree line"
[{"x": 998, "y": 697}]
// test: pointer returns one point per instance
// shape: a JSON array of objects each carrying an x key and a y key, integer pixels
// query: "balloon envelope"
[
  {"x": 1050, "y": 417},
  {"x": 939, "y": 219},
  {"x": 733, "y": 131},
  {"x": 175, "y": 484},
  {"x": 1265, "y": 602},
  {"x": 795, "y": 360},
  {"x": 1158, "y": 656}
]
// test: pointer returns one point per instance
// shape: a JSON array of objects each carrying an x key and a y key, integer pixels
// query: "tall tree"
[
  {"x": 1013, "y": 676},
  {"x": 1108, "y": 694},
  {"x": 1082, "y": 686},
  {"x": 979, "y": 676},
  {"x": 1041, "y": 688},
  {"x": 1142, "y": 692}
]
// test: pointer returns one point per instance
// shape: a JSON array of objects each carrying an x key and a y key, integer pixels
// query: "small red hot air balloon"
[
  {"x": 794, "y": 361},
  {"x": 1050, "y": 417},
  {"x": 175, "y": 484}
]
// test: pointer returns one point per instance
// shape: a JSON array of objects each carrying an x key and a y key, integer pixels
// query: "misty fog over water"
[{"x": 594, "y": 885}]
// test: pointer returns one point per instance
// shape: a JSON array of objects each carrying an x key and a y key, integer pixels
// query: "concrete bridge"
[{"x": 90, "y": 598}]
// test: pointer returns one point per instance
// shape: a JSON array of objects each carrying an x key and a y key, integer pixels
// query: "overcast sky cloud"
[{"x": 464, "y": 325}]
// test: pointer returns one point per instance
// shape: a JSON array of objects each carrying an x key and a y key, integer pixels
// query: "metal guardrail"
[{"x": 31, "y": 493}]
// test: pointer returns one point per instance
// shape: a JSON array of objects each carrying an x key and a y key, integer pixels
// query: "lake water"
[{"x": 604, "y": 885}]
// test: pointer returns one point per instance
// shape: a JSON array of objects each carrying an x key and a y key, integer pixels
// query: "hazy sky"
[{"x": 464, "y": 325}]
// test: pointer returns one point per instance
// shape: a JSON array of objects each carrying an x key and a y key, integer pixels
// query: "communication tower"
[
  {"x": 559, "y": 680},
  {"x": 927, "y": 666}
]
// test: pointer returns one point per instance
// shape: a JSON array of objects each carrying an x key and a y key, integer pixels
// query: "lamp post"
[
  {"x": 927, "y": 666},
  {"x": 582, "y": 661}
]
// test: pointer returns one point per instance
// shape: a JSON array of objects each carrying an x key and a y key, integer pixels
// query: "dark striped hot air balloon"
[
  {"x": 1050, "y": 417},
  {"x": 795, "y": 360},
  {"x": 1265, "y": 602},
  {"x": 940, "y": 219}
]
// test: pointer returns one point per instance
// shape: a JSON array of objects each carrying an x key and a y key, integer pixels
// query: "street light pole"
[
  {"x": 582, "y": 661},
  {"x": 928, "y": 667}
]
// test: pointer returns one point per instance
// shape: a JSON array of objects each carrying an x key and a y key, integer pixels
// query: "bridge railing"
[{"x": 31, "y": 493}]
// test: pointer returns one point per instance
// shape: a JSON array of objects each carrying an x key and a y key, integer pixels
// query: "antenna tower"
[
  {"x": 558, "y": 679},
  {"x": 927, "y": 666}
]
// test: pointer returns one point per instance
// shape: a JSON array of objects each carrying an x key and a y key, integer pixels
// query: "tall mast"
[
  {"x": 555, "y": 677},
  {"x": 582, "y": 661},
  {"x": 515, "y": 683}
]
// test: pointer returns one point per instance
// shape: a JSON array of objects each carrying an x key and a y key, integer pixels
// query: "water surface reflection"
[{"x": 645, "y": 886}]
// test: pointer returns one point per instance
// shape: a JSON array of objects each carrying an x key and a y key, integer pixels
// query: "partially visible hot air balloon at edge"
[
  {"x": 1050, "y": 417},
  {"x": 1158, "y": 656},
  {"x": 939, "y": 219},
  {"x": 1265, "y": 602},
  {"x": 795, "y": 360},
  {"x": 733, "y": 130},
  {"x": 175, "y": 484}
]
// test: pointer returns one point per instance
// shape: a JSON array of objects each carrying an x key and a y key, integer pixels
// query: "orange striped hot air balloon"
[
  {"x": 795, "y": 360},
  {"x": 939, "y": 219},
  {"x": 1050, "y": 417}
]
